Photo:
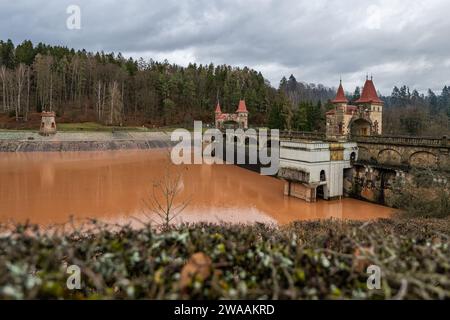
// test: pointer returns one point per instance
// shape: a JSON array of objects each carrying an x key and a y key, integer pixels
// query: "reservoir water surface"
[{"x": 117, "y": 186}]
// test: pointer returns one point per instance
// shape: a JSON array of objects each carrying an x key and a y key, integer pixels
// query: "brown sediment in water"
[{"x": 48, "y": 188}]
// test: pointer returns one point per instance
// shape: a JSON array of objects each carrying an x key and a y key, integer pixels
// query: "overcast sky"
[{"x": 399, "y": 42}]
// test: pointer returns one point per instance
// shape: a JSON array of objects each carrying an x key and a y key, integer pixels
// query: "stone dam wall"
[
  {"x": 57, "y": 146},
  {"x": 102, "y": 141},
  {"x": 373, "y": 184},
  {"x": 385, "y": 161}
]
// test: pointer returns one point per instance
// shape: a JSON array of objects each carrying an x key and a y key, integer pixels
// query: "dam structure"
[
  {"x": 315, "y": 168},
  {"x": 352, "y": 158}
]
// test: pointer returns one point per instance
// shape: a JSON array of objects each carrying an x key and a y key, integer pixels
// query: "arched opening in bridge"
[
  {"x": 360, "y": 127},
  {"x": 231, "y": 125}
]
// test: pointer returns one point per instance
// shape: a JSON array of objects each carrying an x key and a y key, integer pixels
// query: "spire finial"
[
  {"x": 371, "y": 76},
  {"x": 340, "y": 79},
  {"x": 218, "y": 110},
  {"x": 367, "y": 76}
]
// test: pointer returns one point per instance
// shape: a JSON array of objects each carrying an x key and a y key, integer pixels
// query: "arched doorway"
[
  {"x": 231, "y": 125},
  {"x": 352, "y": 158},
  {"x": 320, "y": 191},
  {"x": 360, "y": 127}
]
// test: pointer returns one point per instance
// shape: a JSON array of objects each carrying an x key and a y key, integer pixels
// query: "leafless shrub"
[{"x": 163, "y": 201}]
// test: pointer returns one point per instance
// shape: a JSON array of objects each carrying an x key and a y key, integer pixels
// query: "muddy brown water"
[{"x": 117, "y": 186}]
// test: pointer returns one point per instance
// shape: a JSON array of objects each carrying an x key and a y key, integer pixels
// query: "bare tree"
[
  {"x": 9, "y": 87},
  {"x": 99, "y": 100},
  {"x": 27, "y": 109},
  {"x": 44, "y": 80},
  {"x": 3, "y": 77},
  {"x": 51, "y": 91},
  {"x": 164, "y": 201},
  {"x": 115, "y": 104},
  {"x": 20, "y": 77}
]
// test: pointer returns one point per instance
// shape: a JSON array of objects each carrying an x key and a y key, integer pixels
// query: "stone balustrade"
[{"x": 403, "y": 140}]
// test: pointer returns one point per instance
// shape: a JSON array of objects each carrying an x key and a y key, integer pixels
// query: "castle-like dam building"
[
  {"x": 365, "y": 118},
  {"x": 314, "y": 169}
]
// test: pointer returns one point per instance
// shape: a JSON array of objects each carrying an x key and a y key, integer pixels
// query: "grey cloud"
[{"x": 317, "y": 41}]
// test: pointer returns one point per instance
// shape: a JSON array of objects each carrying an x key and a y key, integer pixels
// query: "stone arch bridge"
[
  {"x": 313, "y": 166},
  {"x": 388, "y": 151},
  {"x": 369, "y": 174},
  {"x": 398, "y": 151},
  {"x": 392, "y": 151}
]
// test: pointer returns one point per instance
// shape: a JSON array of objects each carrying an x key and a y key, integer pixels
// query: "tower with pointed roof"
[
  {"x": 361, "y": 119},
  {"x": 340, "y": 95},
  {"x": 239, "y": 119},
  {"x": 372, "y": 105}
]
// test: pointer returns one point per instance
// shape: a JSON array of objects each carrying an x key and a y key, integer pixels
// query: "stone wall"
[
  {"x": 384, "y": 159},
  {"x": 381, "y": 184},
  {"x": 370, "y": 183},
  {"x": 404, "y": 152},
  {"x": 300, "y": 191},
  {"x": 56, "y": 146},
  {"x": 28, "y": 141}
]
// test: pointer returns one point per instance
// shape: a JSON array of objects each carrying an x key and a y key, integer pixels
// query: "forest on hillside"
[{"x": 110, "y": 89}]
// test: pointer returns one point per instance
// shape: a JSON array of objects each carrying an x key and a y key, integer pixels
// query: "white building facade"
[{"x": 315, "y": 169}]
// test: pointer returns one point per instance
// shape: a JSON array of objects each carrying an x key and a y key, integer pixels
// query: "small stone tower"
[
  {"x": 218, "y": 115},
  {"x": 48, "y": 123},
  {"x": 242, "y": 115}
]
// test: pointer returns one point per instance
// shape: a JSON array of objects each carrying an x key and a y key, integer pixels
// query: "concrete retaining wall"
[
  {"x": 48, "y": 146},
  {"x": 27, "y": 141}
]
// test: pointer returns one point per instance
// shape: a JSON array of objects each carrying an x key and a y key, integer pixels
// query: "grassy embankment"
[
  {"x": 97, "y": 127},
  {"x": 93, "y": 126}
]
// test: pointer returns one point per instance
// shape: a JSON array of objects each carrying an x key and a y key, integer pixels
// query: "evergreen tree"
[
  {"x": 356, "y": 94},
  {"x": 292, "y": 83},
  {"x": 25, "y": 53},
  {"x": 432, "y": 101},
  {"x": 301, "y": 117},
  {"x": 7, "y": 54},
  {"x": 276, "y": 120},
  {"x": 444, "y": 100},
  {"x": 283, "y": 84}
]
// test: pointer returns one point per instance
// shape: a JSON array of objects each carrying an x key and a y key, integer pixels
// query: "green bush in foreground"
[{"x": 305, "y": 260}]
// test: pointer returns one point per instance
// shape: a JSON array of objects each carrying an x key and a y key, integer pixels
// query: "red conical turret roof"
[
  {"x": 340, "y": 95},
  {"x": 242, "y": 108},
  {"x": 369, "y": 93},
  {"x": 218, "y": 110}
]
